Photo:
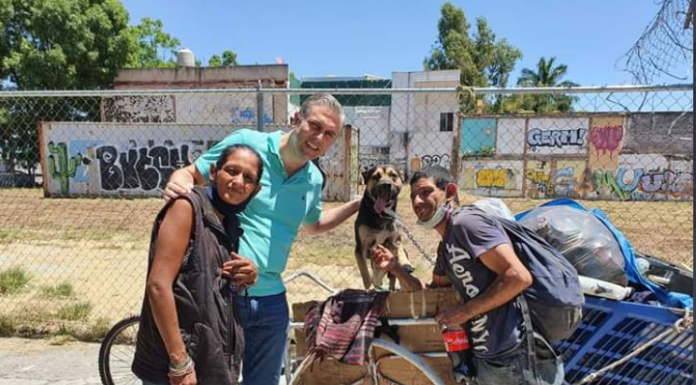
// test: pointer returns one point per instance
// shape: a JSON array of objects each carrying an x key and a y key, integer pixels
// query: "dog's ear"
[
  {"x": 402, "y": 175},
  {"x": 368, "y": 174}
]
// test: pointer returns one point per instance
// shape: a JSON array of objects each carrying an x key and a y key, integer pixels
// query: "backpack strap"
[{"x": 528, "y": 335}]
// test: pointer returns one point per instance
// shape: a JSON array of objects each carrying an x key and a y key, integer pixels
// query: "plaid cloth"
[{"x": 343, "y": 326}]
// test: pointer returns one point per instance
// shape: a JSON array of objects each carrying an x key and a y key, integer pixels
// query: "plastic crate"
[{"x": 611, "y": 329}]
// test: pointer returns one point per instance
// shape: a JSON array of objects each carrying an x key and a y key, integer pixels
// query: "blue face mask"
[{"x": 439, "y": 215}]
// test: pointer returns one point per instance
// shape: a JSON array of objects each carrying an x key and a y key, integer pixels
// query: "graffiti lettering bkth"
[{"x": 143, "y": 168}]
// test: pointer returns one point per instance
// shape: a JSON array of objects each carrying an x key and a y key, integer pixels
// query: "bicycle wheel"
[{"x": 117, "y": 351}]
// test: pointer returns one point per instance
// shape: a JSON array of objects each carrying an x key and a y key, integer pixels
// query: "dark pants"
[{"x": 514, "y": 367}]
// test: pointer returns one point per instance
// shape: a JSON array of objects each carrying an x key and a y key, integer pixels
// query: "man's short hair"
[
  {"x": 439, "y": 174},
  {"x": 323, "y": 100}
]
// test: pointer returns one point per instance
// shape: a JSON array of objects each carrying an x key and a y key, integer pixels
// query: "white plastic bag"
[{"x": 495, "y": 206}]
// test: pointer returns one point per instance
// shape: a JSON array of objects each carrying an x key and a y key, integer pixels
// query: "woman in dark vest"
[{"x": 188, "y": 330}]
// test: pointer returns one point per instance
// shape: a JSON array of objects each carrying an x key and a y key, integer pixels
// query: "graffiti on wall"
[
  {"x": 537, "y": 180},
  {"x": 638, "y": 184},
  {"x": 119, "y": 159},
  {"x": 246, "y": 115},
  {"x": 140, "y": 168},
  {"x": 493, "y": 178},
  {"x": 139, "y": 109},
  {"x": 556, "y": 138},
  {"x": 606, "y": 142},
  {"x": 61, "y": 166},
  {"x": 557, "y": 179},
  {"x": 435, "y": 160},
  {"x": 136, "y": 168},
  {"x": 606, "y": 139}
]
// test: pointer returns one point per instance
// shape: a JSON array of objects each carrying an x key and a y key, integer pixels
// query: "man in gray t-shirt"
[
  {"x": 470, "y": 235},
  {"x": 478, "y": 259}
]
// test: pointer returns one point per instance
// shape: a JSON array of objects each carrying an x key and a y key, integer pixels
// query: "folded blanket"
[{"x": 343, "y": 326}]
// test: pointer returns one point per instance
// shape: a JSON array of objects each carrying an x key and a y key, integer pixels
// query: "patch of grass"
[
  {"x": 9, "y": 235},
  {"x": 75, "y": 312},
  {"x": 91, "y": 332},
  {"x": 13, "y": 280},
  {"x": 61, "y": 339},
  {"x": 326, "y": 255},
  {"x": 62, "y": 290},
  {"x": 7, "y": 327}
]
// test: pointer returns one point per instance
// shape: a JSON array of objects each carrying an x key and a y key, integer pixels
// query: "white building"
[{"x": 422, "y": 125}]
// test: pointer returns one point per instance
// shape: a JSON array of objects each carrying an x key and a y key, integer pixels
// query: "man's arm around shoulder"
[{"x": 181, "y": 182}]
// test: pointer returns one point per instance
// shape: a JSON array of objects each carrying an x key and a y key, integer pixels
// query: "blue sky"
[{"x": 351, "y": 38}]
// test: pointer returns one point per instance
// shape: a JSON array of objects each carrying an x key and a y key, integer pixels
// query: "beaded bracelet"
[{"x": 179, "y": 370}]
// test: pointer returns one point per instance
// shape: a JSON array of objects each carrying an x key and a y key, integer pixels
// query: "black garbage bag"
[{"x": 582, "y": 239}]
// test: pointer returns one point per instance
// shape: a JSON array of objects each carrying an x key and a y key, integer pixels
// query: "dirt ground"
[{"x": 100, "y": 247}]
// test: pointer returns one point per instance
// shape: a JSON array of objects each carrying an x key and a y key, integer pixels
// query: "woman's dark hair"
[{"x": 230, "y": 150}]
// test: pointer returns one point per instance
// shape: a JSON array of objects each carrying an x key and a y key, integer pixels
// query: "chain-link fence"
[{"x": 73, "y": 241}]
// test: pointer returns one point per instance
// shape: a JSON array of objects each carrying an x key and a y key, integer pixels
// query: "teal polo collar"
[{"x": 274, "y": 149}]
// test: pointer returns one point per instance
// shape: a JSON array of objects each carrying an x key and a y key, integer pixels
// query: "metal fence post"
[{"x": 259, "y": 108}]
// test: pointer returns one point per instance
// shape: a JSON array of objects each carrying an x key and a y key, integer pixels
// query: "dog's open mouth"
[
  {"x": 381, "y": 203},
  {"x": 385, "y": 198}
]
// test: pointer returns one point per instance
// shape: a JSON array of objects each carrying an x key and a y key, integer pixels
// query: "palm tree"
[{"x": 546, "y": 75}]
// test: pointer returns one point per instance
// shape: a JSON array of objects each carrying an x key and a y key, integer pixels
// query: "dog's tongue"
[{"x": 380, "y": 204}]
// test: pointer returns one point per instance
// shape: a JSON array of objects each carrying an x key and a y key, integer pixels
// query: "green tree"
[
  {"x": 156, "y": 48},
  {"x": 547, "y": 74},
  {"x": 215, "y": 61},
  {"x": 56, "y": 44},
  {"x": 228, "y": 59},
  {"x": 482, "y": 59}
]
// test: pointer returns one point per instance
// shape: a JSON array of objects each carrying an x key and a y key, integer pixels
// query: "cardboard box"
[
  {"x": 401, "y": 304},
  {"x": 397, "y": 370},
  {"x": 415, "y": 338},
  {"x": 420, "y": 338},
  {"x": 332, "y": 372},
  {"x": 419, "y": 304}
]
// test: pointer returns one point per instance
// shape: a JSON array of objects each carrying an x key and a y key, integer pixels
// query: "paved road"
[{"x": 37, "y": 362}]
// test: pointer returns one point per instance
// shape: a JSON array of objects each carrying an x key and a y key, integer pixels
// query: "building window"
[{"x": 446, "y": 121}]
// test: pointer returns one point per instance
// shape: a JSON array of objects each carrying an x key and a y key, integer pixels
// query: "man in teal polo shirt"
[{"x": 290, "y": 195}]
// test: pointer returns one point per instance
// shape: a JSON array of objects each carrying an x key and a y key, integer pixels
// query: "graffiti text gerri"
[{"x": 556, "y": 138}]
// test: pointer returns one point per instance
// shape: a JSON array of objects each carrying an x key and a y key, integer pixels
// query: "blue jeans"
[
  {"x": 513, "y": 367},
  {"x": 265, "y": 321}
]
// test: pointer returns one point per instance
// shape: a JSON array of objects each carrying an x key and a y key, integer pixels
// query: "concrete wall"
[
  {"x": 116, "y": 159},
  {"x": 372, "y": 122},
  {"x": 245, "y": 76},
  {"x": 661, "y": 133},
  {"x": 588, "y": 156},
  {"x": 197, "y": 108}
]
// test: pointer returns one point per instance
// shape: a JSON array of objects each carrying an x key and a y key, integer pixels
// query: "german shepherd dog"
[{"x": 376, "y": 224}]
